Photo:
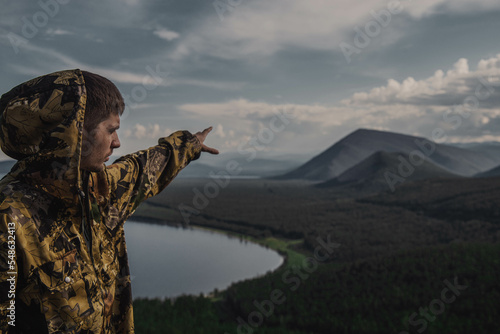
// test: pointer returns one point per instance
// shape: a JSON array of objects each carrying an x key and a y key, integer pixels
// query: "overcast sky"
[{"x": 325, "y": 67}]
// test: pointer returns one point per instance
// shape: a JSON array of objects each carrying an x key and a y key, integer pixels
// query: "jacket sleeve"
[
  {"x": 138, "y": 176},
  {"x": 8, "y": 273}
]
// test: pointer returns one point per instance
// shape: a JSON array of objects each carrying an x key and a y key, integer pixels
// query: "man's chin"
[{"x": 95, "y": 169}]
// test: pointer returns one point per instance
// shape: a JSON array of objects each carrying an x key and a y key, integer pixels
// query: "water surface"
[{"x": 167, "y": 261}]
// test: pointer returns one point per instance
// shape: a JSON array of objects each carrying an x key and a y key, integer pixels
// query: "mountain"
[
  {"x": 376, "y": 172},
  {"x": 491, "y": 149},
  {"x": 490, "y": 173},
  {"x": 362, "y": 143}
]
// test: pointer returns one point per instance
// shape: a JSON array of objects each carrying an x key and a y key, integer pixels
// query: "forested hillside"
[
  {"x": 400, "y": 293},
  {"x": 392, "y": 257}
]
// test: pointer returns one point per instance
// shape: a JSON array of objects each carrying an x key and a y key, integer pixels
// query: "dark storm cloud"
[{"x": 272, "y": 52}]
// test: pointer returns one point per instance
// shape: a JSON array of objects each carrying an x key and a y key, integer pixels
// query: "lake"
[{"x": 167, "y": 261}]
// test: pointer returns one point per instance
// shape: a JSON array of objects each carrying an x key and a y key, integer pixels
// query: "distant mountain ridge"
[
  {"x": 362, "y": 143},
  {"x": 491, "y": 149},
  {"x": 490, "y": 173},
  {"x": 376, "y": 172}
]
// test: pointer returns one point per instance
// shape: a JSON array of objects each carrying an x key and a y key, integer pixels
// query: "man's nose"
[{"x": 116, "y": 142}]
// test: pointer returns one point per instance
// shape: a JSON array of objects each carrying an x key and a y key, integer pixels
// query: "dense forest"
[
  {"x": 400, "y": 293},
  {"x": 423, "y": 258}
]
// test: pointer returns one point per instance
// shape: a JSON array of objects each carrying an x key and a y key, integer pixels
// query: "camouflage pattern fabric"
[{"x": 61, "y": 286}]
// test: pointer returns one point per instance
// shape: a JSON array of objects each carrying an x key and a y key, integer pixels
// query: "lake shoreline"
[{"x": 279, "y": 248}]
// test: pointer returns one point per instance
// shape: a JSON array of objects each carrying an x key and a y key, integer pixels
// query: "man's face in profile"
[{"x": 98, "y": 145}]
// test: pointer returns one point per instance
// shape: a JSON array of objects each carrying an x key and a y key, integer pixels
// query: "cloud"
[
  {"x": 249, "y": 117},
  {"x": 46, "y": 56},
  {"x": 150, "y": 131},
  {"x": 152, "y": 75},
  {"x": 419, "y": 9},
  {"x": 245, "y": 110},
  {"x": 441, "y": 89},
  {"x": 166, "y": 34},
  {"x": 58, "y": 32},
  {"x": 219, "y": 131},
  {"x": 293, "y": 125},
  {"x": 416, "y": 107},
  {"x": 219, "y": 85},
  {"x": 252, "y": 29}
]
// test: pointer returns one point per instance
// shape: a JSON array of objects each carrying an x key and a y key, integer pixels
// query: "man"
[{"x": 63, "y": 259}]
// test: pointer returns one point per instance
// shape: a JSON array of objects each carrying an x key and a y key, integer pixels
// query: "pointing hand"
[{"x": 201, "y": 137}]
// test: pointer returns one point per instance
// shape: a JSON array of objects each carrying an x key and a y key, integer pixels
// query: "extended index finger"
[{"x": 210, "y": 150}]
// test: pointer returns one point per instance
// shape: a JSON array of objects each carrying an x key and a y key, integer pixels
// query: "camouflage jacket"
[{"x": 50, "y": 280}]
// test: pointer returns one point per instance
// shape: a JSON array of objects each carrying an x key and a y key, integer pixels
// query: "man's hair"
[{"x": 103, "y": 99}]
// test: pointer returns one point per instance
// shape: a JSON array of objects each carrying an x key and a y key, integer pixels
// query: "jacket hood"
[{"x": 41, "y": 126}]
